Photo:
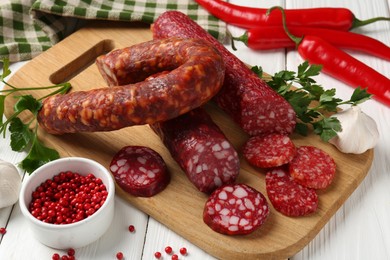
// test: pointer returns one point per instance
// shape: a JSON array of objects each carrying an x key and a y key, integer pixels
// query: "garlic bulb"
[
  {"x": 10, "y": 183},
  {"x": 359, "y": 131}
]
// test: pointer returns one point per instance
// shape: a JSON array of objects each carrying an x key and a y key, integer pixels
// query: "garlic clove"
[
  {"x": 359, "y": 131},
  {"x": 10, "y": 184}
]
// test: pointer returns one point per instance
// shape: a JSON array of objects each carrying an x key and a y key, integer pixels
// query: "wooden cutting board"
[{"x": 180, "y": 205}]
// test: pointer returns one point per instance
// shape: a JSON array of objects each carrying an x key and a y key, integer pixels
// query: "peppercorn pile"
[{"x": 67, "y": 198}]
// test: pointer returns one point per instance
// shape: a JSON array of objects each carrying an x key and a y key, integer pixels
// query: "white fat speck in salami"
[
  {"x": 139, "y": 171},
  {"x": 269, "y": 151},
  {"x": 235, "y": 209},
  {"x": 289, "y": 197},
  {"x": 312, "y": 167}
]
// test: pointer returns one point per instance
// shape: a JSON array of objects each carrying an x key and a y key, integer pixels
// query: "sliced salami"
[
  {"x": 312, "y": 167},
  {"x": 140, "y": 171},
  {"x": 289, "y": 197},
  {"x": 269, "y": 151},
  {"x": 235, "y": 209},
  {"x": 201, "y": 149}
]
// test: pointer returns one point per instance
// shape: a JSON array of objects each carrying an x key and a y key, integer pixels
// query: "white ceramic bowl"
[{"x": 76, "y": 234}]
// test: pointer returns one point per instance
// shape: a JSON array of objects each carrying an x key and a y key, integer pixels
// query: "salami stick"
[
  {"x": 244, "y": 96},
  {"x": 196, "y": 75},
  {"x": 201, "y": 149}
]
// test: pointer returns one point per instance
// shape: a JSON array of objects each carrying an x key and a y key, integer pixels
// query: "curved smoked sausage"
[
  {"x": 196, "y": 75},
  {"x": 255, "y": 106}
]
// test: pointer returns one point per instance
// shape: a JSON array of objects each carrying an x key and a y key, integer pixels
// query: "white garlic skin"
[
  {"x": 359, "y": 131},
  {"x": 10, "y": 183}
]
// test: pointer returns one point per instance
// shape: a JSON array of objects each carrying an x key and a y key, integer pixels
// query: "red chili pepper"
[
  {"x": 266, "y": 38},
  {"x": 341, "y": 65},
  {"x": 249, "y": 17}
]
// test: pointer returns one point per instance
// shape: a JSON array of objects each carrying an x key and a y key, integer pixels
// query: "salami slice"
[
  {"x": 269, "y": 151},
  {"x": 201, "y": 149},
  {"x": 139, "y": 171},
  {"x": 289, "y": 197},
  {"x": 312, "y": 167},
  {"x": 235, "y": 209}
]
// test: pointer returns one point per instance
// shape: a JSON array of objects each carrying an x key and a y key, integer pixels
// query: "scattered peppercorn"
[
  {"x": 157, "y": 255},
  {"x": 168, "y": 250},
  {"x": 131, "y": 228},
  {"x": 119, "y": 255},
  {"x": 183, "y": 251}
]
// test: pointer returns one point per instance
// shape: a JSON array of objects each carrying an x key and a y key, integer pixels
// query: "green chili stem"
[
  {"x": 358, "y": 23},
  {"x": 296, "y": 40}
]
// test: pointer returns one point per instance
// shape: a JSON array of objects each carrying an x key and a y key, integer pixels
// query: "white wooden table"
[{"x": 359, "y": 230}]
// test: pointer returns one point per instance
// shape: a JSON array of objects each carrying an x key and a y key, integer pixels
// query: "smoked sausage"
[
  {"x": 196, "y": 75},
  {"x": 248, "y": 99},
  {"x": 201, "y": 149}
]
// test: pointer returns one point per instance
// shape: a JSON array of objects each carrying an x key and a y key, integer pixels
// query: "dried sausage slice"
[
  {"x": 201, "y": 149},
  {"x": 139, "y": 171},
  {"x": 289, "y": 197},
  {"x": 235, "y": 209},
  {"x": 256, "y": 107},
  {"x": 312, "y": 167},
  {"x": 269, "y": 151}
]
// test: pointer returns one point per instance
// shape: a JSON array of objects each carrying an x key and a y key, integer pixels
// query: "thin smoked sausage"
[{"x": 196, "y": 75}]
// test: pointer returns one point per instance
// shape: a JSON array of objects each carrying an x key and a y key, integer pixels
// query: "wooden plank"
[{"x": 279, "y": 237}]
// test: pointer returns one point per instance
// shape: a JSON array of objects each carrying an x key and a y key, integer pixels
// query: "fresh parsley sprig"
[
  {"x": 310, "y": 101},
  {"x": 24, "y": 136}
]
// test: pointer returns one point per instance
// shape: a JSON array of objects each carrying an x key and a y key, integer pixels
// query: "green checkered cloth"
[{"x": 29, "y": 27}]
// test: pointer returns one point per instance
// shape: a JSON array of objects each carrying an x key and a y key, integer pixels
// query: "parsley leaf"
[
  {"x": 21, "y": 135},
  {"x": 38, "y": 155},
  {"x": 359, "y": 96},
  {"x": 6, "y": 70},
  {"x": 27, "y": 102},
  {"x": 24, "y": 136},
  {"x": 310, "y": 101}
]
